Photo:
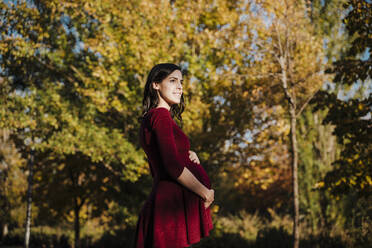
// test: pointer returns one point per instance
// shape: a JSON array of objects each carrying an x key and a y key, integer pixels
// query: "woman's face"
[{"x": 170, "y": 89}]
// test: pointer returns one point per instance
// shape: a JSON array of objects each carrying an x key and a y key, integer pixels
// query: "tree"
[
  {"x": 326, "y": 16},
  {"x": 12, "y": 184},
  {"x": 49, "y": 99},
  {"x": 74, "y": 74},
  {"x": 293, "y": 63},
  {"x": 318, "y": 148},
  {"x": 352, "y": 117}
]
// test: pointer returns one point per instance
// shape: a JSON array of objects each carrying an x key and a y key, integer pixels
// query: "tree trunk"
[
  {"x": 5, "y": 230},
  {"x": 77, "y": 224},
  {"x": 77, "y": 207},
  {"x": 296, "y": 233},
  {"x": 29, "y": 200},
  {"x": 292, "y": 112}
]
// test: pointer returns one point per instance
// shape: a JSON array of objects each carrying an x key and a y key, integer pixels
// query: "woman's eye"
[{"x": 175, "y": 81}]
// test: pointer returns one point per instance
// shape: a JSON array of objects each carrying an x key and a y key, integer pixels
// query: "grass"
[{"x": 234, "y": 231}]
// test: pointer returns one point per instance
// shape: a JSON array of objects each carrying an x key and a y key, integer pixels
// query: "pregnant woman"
[{"x": 177, "y": 212}]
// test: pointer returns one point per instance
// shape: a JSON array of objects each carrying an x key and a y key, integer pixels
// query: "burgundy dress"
[{"x": 172, "y": 216}]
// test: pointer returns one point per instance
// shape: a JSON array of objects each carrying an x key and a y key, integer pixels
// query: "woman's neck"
[{"x": 163, "y": 104}]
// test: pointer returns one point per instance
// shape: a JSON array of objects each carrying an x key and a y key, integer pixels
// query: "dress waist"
[{"x": 157, "y": 180}]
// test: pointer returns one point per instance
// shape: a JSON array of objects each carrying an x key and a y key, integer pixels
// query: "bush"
[
  {"x": 39, "y": 237},
  {"x": 119, "y": 238},
  {"x": 232, "y": 231},
  {"x": 273, "y": 238}
]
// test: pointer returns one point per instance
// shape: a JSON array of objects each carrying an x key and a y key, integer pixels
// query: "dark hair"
[{"x": 150, "y": 96}]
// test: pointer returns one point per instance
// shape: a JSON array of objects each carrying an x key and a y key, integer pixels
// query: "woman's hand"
[
  {"x": 209, "y": 198},
  {"x": 193, "y": 157}
]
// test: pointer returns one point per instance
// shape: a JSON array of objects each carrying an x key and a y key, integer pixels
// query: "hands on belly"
[
  {"x": 193, "y": 157},
  {"x": 205, "y": 179}
]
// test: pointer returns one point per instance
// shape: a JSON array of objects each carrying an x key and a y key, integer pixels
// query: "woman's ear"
[{"x": 155, "y": 85}]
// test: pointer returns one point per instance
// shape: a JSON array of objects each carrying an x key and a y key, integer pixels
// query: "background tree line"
[{"x": 273, "y": 90}]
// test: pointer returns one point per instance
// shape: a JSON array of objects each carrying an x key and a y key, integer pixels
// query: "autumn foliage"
[{"x": 71, "y": 85}]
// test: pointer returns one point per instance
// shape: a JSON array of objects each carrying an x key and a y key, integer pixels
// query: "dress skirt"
[{"x": 173, "y": 216}]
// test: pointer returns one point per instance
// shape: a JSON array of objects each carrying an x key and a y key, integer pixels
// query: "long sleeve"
[{"x": 163, "y": 128}]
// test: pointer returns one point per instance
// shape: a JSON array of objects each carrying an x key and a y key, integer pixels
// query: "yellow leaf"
[
  {"x": 319, "y": 185},
  {"x": 215, "y": 208},
  {"x": 61, "y": 166},
  {"x": 368, "y": 178}
]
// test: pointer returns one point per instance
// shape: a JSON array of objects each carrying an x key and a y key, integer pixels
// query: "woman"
[{"x": 177, "y": 212}]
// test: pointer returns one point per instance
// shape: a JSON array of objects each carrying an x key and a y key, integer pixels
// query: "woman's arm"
[{"x": 188, "y": 180}]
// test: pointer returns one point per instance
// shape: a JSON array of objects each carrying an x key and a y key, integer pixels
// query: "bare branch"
[{"x": 306, "y": 102}]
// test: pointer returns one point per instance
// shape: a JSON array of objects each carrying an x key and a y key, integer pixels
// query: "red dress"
[{"x": 172, "y": 216}]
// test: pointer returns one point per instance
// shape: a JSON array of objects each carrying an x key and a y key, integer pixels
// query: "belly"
[{"x": 198, "y": 171}]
